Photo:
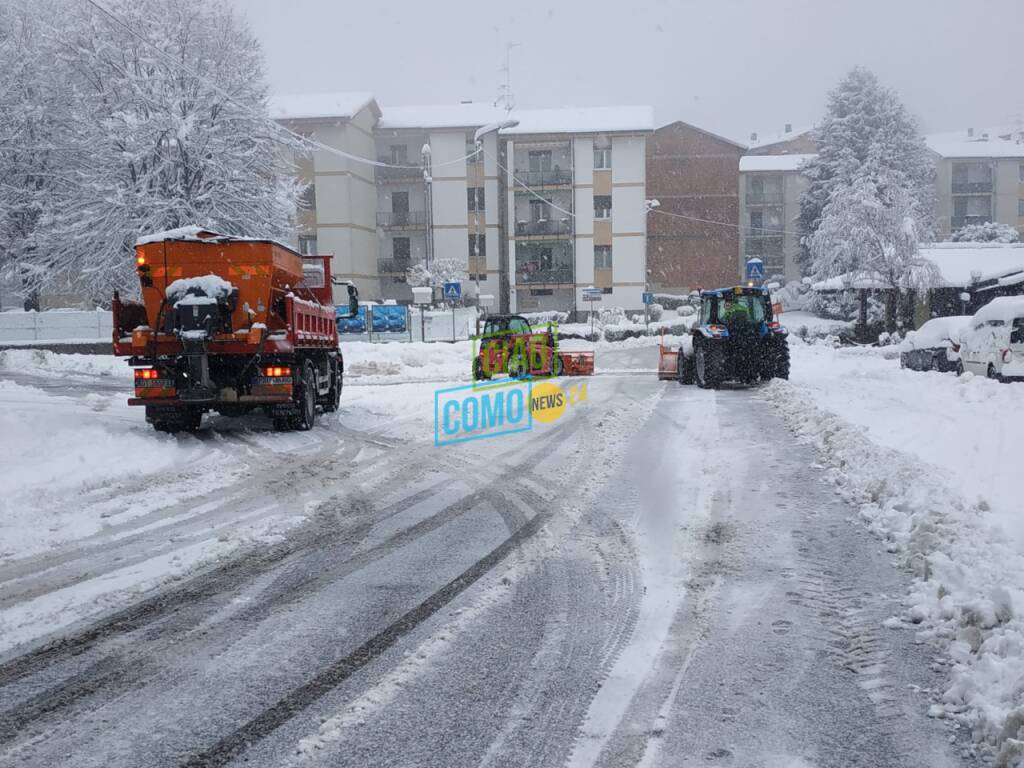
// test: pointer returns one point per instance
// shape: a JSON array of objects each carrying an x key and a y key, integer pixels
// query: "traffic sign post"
[
  {"x": 452, "y": 293},
  {"x": 648, "y": 299},
  {"x": 755, "y": 270},
  {"x": 592, "y": 294}
]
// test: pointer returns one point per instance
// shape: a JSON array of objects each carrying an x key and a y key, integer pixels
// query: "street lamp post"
[
  {"x": 427, "y": 190},
  {"x": 649, "y": 205},
  {"x": 478, "y": 141}
]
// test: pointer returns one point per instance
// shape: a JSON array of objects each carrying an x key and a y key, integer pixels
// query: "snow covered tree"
[
  {"x": 439, "y": 272},
  {"x": 34, "y": 120},
  {"x": 868, "y": 234},
  {"x": 866, "y": 132},
  {"x": 167, "y": 126},
  {"x": 989, "y": 232}
]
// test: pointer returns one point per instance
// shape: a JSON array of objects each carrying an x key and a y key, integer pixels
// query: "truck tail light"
[
  {"x": 146, "y": 374},
  {"x": 276, "y": 371}
]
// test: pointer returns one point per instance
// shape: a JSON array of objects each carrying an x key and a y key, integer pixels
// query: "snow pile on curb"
[
  {"x": 968, "y": 590},
  {"x": 45, "y": 362}
]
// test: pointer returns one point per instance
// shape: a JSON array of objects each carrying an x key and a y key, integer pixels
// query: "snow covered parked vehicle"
[
  {"x": 993, "y": 343},
  {"x": 935, "y": 345}
]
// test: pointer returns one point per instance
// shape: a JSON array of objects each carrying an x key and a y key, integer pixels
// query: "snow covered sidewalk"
[{"x": 931, "y": 461}]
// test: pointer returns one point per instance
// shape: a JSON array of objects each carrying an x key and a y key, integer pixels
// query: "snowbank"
[
  {"x": 931, "y": 461},
  {"x": 45, "y": 363}
]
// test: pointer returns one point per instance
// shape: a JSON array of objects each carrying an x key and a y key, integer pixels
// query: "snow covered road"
[{"x": 664, "y": 577}]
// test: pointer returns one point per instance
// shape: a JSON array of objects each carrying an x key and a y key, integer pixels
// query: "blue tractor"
[{"x": 736, "y": 339}]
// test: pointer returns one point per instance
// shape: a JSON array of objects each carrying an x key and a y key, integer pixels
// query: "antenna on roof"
[{"x": 505, "y": 97}]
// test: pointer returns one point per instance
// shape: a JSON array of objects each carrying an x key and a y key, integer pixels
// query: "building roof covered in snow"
[
  {"x": 772, "y": 162},
  {"x": 980, "y": 146},
  {"x": 581, "y": 120},
  {"x": 964, "y": 264},
  {"x": 304, "y": 106},
  {"x": 761, "y": 140},
  {"x": 464, "y": 115}
]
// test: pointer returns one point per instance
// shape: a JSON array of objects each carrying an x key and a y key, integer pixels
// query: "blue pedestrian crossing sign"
[
  {"x": 648, "y": 298},
  {"x": 755, "y": 270},
  {"x": 452, "y": 291}
]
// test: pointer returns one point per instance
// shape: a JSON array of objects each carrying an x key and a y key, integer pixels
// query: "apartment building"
[
  {"x": 979, "y": 178},
  {"x": 692, "y": 237},
  {"x": 443, "y": 204},
  {"x": 550, "y": 206},
  {"x": 770, "y": 187},
  {"x": 339, "y": 212},
  {"x": 576, "y": 181}
]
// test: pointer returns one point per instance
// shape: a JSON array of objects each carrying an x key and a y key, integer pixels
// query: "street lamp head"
[{"x": 493, "y": 127}]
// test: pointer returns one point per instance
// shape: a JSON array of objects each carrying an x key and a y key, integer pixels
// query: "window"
[
  {"x": 541, "y": 292},
  {"x": 972, "y": 177},
  {"x": 307, "y": 245},
  {"x": 602, "y": 157},
  {"x": 602, "y": 206},
  {"x": 1020, "y": 208},
  {"x": 478, "y": 242},
  {"x": 475, "y": 198},
  {"x": 977, "y": 206},
  {"x": 518, "y": 326},
  {"x": 756, "y": 220},
  {"x": 545, "y": 259},
  {"x": 1017, "y": 334},
  {"x": 606, "y": 290},
  {"x": 540, "y": 160},
  {"x": 602, "y": 257},
  {"x": 308, "y": 199},
  {"x": 400, "y": 249},
  {"x": 399, "y": 154},
  {"x": 399, "y": 202},
  {"x": 473, "y": 155},
  {"x": 764, "y": 188},
  {"x": 1020, "y": 171},
  {"x": 539, "y": 210}
]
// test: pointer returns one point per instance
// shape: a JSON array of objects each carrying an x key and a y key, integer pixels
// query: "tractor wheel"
[
  {"x": 686, "y": 371},
  {"x": 959, "y": 367},
  {"x": 556, "y": 366},
  {"x": 780, "y": 370},
  {"x": 479, "y": 374},
  {"x": 516, "y": 367},
  {"x": 333, "y": 400},
  {"x": 306, "y": 400},
  {"x": 709, "y": 362}
]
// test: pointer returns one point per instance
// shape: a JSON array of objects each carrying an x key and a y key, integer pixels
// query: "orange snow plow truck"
[{"x": 230, "y": 325}]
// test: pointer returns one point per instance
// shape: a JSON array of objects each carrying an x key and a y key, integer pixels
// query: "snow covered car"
[
  {"x": 934, "y": 346},
  {"x": 993, "y": 343}
]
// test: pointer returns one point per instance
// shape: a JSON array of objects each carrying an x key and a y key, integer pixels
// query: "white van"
[{"x": 992, "y": 345}]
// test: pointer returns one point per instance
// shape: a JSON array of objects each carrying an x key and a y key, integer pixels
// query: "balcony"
[
  {"x": 972, "y": 187},
  {"x": 958, "y": 222},
  {"x": 391, "y": 174},
  {"x": 394, "y": 266},
  {"x": 543, "y": 227},
  {"x": 764, "y": 198},
  {"x": 555, "y": 178},
  {"x": 544, "y": 276},
  {"x": 401, "y": 219}
]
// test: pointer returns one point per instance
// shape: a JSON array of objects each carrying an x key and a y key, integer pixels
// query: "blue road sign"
[
  {"x": 648, "y": 298},
  {"x": 755, "y": 269},
  {"x": 452, "y": 291}
]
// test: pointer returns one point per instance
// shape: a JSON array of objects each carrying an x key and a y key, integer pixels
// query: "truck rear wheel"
[
  {"x": 306, "y": 401},
  {"x": 333, "y": 400}
]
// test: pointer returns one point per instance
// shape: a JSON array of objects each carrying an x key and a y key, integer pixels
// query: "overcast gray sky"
[{"x": 731, "y": 66}]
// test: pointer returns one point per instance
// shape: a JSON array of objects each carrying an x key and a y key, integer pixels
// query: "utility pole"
[
  {"x": 428, "y": 191},
  {"x": 505, "y": 97}
]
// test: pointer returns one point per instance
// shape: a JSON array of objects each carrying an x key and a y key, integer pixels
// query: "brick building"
[{"x": 692, "y": 173}]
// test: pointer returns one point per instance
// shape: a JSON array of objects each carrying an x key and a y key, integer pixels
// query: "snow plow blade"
[
  {"x": 577, "y": 363},
  {"x": 668, "y": 361}
]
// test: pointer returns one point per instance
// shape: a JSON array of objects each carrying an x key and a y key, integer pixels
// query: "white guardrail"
[{"x": 56, "y": 325}]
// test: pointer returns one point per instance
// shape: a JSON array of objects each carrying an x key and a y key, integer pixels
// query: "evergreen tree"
[{"x": 866, "y": 133}]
